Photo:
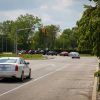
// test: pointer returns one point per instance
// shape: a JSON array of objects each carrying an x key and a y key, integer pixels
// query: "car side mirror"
[{"x": 27, "y": 63}]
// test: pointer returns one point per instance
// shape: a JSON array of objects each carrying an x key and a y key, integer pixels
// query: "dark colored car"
[
  {"x": 42, "y": 52},
  {"x": 64, "y": 53},
  {"x": 52, "y": 53}
]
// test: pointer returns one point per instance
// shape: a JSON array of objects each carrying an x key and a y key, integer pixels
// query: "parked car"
[
  {"x": 22, "y": 52},
  {"x": 14, "y": 67},
  {"x": 74, "y": 54},
  {"x": 42, "y": 52},
  {"x": 64, "y": 53},
  {"x": 52, "y": 53}
]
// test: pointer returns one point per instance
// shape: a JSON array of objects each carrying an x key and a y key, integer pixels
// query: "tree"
[
  {"x": 88, "y": 27},
  {"x": 46, "y": 37},
  {"x": 7, "y": 35},
  {"x": 68, "y": 39},
  {"x": 22, "y": 27},
  {"x": 25, "y": 36},
  {"x": 75, "y": 38},
  {"x": 50, "y": 36}
]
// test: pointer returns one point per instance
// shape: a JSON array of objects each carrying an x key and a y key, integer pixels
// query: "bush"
[{"x": 97, "y": 74}]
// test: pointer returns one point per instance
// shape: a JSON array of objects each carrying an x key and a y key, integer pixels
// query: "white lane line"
[{"x": 32, "y": 81}]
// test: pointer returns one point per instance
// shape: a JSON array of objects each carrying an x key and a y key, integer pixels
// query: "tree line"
[{"x": 32, "y": 34}]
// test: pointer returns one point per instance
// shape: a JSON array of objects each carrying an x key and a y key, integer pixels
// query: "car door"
[
  {"x": 23, "y": 66},
  {"x": 26, "y": 68}
]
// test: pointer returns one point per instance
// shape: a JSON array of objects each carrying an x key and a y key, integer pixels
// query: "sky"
[{"x": 58, "y": 12}]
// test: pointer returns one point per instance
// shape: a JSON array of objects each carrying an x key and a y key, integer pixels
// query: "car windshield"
[{"x": 8, "y": 60}]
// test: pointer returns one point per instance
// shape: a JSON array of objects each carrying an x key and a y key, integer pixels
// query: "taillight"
[{"x": 16, "y": 68}]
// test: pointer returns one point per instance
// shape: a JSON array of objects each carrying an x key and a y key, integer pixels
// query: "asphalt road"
[{"x": 61, "y": 78}]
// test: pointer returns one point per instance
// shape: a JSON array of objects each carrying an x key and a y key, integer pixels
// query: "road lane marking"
[
  {"x": 32, "y": 81},
  {"x": 39, "y": 78}
]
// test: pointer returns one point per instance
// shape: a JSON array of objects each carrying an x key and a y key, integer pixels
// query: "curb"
[{"x": 95, "y": 86}]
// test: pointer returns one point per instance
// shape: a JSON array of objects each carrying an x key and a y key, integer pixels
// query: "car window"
[
  {"x": 22, "y": 61},
  {"x": 8, "y": 60}
]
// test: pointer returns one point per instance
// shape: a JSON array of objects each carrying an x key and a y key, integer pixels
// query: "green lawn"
[{"x": 25, "y": 56}]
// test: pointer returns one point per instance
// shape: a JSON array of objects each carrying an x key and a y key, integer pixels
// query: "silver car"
[
  {"x": 14, "y": 67},
  {"x": 74, "y": 54}
]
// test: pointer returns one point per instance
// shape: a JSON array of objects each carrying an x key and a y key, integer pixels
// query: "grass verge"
[{"x": 25, "y": 56}]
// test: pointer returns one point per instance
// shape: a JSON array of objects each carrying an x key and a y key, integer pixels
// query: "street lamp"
[{"x": 16, "y": 37}]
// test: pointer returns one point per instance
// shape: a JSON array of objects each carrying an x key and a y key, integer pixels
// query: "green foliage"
[
  {"x": 7, "y": 35},
  {"x": 89, "y": 30},
  {"x": 30, "y": 56},
  {"x": 25, "y": 37},
  {"x": 46, "y": 39},
  {"x": 8, "y": 55},
  {"x": 68, "y": 39},
  {"x": 84, "y": 38},
  {"x": 97, "y": 73},
  {"x": 25, "y": 56}
]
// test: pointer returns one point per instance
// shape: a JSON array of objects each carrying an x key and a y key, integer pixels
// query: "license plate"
[{"x": 4, "y": 68}]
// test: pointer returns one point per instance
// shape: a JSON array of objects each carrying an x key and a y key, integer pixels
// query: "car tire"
[
  {"x": 29, "y": 76},
  {"x": 22, "y": 77}
]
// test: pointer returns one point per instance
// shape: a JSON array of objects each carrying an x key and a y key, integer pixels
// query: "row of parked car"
[
  {"x": 16, "y": 67},
  {"x": 71, "y": 54},
  {"x": 33, "y": 52},
  {"x": 47, "y": 52}
]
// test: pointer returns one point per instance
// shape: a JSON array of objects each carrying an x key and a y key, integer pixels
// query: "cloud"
[
  {"x": 61, "y": 12},
  {"x": 13, "y": 14},
  {"x": 6, "y": 5},
  {"x": 61, "y": 5},
  {"x": 56, "y": 5}
]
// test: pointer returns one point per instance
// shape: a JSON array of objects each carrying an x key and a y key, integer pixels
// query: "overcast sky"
[{"x": 58, "y": 12}]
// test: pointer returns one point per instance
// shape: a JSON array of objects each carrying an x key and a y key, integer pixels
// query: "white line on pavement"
[{"x": 32, "y": 81}]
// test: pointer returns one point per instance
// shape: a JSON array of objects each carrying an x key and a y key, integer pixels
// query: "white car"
[
  {"x": 14, "y": 67},
  {"x": 74, "y": 54}
]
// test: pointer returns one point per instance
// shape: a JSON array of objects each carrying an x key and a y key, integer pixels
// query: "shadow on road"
[{"x": 13, "y": 81}]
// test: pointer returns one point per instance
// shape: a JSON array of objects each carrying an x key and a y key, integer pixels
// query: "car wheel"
[
  {"x": 22, "y": 77},
  {"x": 29, "y": 76}
]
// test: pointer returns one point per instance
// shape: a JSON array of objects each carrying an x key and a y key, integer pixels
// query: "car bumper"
[
  {"x": 7, "y": 74},
  {"x": 75, "y": 57}
]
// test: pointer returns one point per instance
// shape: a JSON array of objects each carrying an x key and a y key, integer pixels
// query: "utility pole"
[
  {"x": 16, "y": 42},
  {"x": 6, "y": 44},
  {"x": 63, "y": 43},
  {"x": 16, "y": 37},
  {"x": 2, "y": 43}
]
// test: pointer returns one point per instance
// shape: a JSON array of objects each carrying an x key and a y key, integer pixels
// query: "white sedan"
[
  {"x": 74, "y": 54},
  {"x": 14, "y": 67}
]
